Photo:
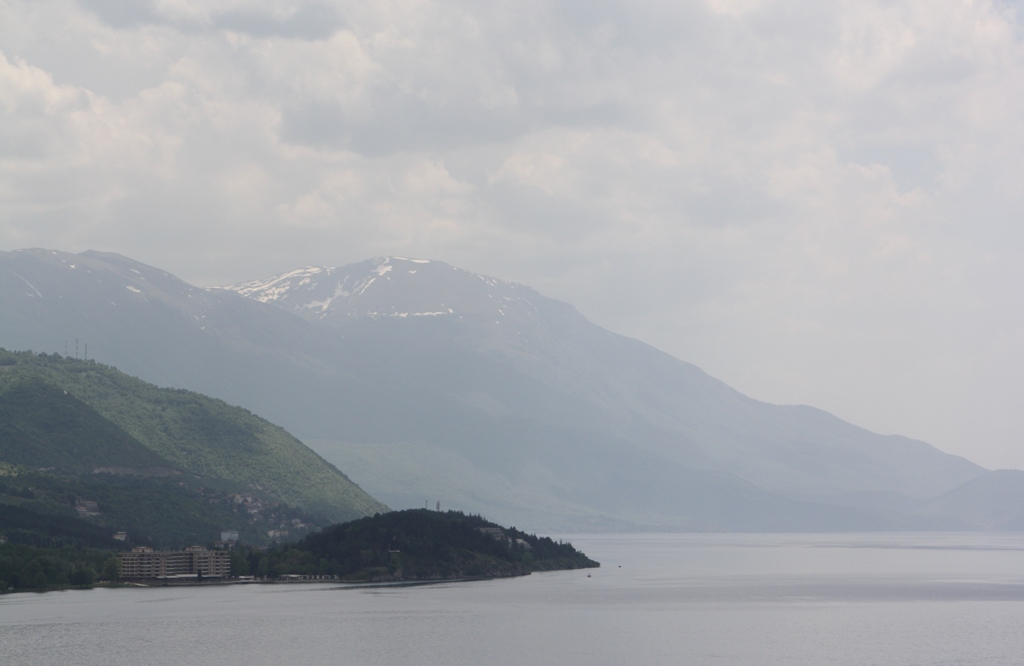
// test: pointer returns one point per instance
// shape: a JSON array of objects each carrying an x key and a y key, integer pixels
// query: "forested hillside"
[
  {"x": 418, "y": 545},
  {"x": 80, "y": 441},
  {"x": 194, "y": 433}
]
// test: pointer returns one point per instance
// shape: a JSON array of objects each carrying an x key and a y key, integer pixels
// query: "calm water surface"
[{"x": 657, "y": 599}]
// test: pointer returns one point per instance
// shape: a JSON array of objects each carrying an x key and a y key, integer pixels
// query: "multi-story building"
[{"x": 144, "y": 562}]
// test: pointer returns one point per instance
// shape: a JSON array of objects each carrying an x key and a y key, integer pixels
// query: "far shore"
[{"x": 281, "y": 580}]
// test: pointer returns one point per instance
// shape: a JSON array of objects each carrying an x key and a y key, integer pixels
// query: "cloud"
[{"x": 817, "y": 202}]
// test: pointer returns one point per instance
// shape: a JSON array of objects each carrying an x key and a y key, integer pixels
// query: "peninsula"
[{"x": 413, "y": 545}]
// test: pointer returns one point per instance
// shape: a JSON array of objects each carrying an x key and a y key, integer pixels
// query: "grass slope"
[
  {"x": 42, "y": 425},
  {"x": 185, "y": 430}
]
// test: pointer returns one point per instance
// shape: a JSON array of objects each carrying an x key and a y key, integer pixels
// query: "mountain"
[
  {"x": 162, "y": 463},
  {"x": 994, "y": 501},
  {"x": 427, "y": 382}
]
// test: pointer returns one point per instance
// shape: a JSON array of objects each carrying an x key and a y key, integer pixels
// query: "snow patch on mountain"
[
  {"x": 396, "y": 287},
  {"x": 30, "y": 285},
  {"x": 272, "y": 289},
  {"x": 403, "y": 315}
]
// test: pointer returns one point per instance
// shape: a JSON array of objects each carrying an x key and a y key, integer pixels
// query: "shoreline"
[{"x": 346, "y": 583}]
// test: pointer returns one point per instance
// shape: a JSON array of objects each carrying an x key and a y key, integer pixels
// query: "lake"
[{"x": 690, "y": 599}]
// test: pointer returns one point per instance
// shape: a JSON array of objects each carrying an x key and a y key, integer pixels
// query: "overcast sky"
[{"x": 816, "y": 202}]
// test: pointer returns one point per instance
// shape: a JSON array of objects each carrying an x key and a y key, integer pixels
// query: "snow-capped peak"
[{"x": 389, "y": 287}]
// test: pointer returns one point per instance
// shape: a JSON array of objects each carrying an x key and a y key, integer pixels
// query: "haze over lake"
[
  {"x": 731, "y": 292},
  {"x": 892, "y": 598}
]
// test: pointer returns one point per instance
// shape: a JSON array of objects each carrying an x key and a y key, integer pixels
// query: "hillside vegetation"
[
  {"x": 42, "y": 425},
  {"x": 177, "y": 428},
  {"x": 168, "y": 467},
  {"x": 418, "y": 545}
]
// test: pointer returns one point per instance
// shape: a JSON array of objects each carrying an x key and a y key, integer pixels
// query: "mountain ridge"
[
  {"x": 513, "y": 308},
  {"x": 540, "y": 410}
]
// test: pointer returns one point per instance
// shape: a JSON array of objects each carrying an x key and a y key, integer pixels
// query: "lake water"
[{"x": 657, "y": 599}]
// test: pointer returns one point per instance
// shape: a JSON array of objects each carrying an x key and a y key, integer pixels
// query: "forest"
[
  {"x": 73, "y": 416},
  {"x": 414, "y": 545},
  {"x": 87, "y": 452},
  {"x": 25, "y": 567}
]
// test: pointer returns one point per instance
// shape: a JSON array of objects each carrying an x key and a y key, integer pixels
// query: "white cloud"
[{"x": 817, "y": 202}]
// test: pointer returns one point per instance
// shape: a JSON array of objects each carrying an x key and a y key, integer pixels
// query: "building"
[
  {"x": 498, "y": 534},
  {"x": 144, "y": 562},
  {"x": 87, "y": 508}
]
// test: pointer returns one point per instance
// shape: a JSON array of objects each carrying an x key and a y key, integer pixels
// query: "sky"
[{"x": 816, "y": 202}]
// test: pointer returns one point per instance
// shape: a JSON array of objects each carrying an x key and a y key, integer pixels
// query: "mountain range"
[{"x": 424, "y": 382}]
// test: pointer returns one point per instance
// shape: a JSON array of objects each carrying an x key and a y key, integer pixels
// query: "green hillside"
[
  {"x": 42, "y": 425},
  {"x": 38, "y": 508},
  {"x": 71, "y": 416}
]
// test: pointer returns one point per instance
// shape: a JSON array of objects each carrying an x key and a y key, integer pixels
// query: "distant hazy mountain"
[
  {"x": 994, "y": 501},
  {"x": 426, "y": 382}
]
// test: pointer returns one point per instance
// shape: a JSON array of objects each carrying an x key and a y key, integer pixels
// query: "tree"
[
  {"x": 112, "y": 569},
  {"x": 83, "y": 576},
  {"x": 239, "y": 564}
]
